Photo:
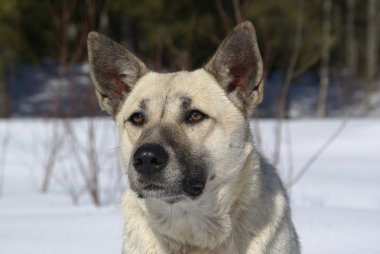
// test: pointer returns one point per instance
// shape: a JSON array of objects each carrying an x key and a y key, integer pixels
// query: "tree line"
[{"x": 328, "y": 37}]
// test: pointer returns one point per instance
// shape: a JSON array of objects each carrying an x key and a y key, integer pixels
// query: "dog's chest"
[
  {"x": 174, "y": 247},
  {"x": 194, "y": 250},
  {"x": 182, "y": 229}
]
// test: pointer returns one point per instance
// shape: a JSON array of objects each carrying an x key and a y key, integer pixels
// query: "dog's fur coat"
[{"x": 214, "y": 192}]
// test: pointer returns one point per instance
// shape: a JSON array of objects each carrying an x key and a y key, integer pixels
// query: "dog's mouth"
[
  {"x": 161, "y": 195},
  {"x": 174, "y": 199},
  {"x": 152, "y": 187},
  {"x": 156, "y": 191}
]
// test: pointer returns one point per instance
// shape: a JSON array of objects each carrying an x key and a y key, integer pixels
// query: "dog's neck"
[{"x": 207, "y": 222}]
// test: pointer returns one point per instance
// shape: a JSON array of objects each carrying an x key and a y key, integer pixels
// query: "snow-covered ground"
[{"x": 336, "y": 204}]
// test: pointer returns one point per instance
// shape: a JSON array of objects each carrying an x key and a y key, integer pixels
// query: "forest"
[{"x": 326, "y": 51}]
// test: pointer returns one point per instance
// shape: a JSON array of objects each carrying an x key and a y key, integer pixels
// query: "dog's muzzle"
[{"x": 151, "y": 163}]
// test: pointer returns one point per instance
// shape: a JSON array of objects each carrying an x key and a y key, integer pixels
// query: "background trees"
[{"x": 338, "y": 37}]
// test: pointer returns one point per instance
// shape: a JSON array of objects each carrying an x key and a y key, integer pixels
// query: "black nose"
[{"x": 150, "y": 159}]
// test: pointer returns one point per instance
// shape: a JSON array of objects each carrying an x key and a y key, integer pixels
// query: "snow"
[{"x": 335, "y": 205}]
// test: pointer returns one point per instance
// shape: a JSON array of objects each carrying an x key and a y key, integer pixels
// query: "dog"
[{"x": 196, "y": 182}]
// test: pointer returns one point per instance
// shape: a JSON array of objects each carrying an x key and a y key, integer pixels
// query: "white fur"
[{"x": 221, "y": 220}]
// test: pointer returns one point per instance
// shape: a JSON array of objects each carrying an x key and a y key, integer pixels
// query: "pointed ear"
[
  {"x": 114, "y": 71},
  {"x": 238, "y": 68}
]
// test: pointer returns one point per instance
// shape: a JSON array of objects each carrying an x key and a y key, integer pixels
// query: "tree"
[
  {"x": 351, "y": 49},
  {"x": 371, "y": 51},
  {"x": 8, "y": 47},
  {"x": 4, "y": 95},
  {"x": 325, "y": 59}
]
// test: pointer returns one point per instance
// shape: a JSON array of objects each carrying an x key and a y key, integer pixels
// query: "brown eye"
[
  {"x": 137, "y": 119},
  {"x": 195, "y": 116}
]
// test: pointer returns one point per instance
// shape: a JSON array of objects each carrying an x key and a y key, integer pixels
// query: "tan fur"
[{"x": 243, "y": 207}]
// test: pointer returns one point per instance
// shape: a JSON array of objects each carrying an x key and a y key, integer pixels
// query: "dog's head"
[{"x": 180, "y": 133}]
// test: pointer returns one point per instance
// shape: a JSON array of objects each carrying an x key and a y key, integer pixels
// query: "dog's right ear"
[{"x": 114, "y": 71}]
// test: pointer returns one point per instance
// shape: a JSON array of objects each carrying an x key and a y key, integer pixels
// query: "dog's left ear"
[{"x": 238, "y": 68}]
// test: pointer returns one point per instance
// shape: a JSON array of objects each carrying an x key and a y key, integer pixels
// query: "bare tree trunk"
[
  {"x": 237, "y": 11},
  {"x": 4, "y": 99},
  {"x": 371, "y": 52},
  {"x": 325, "y": 59},
  {"x": 87, "y": 25},
  {"x": 104, "y": 20},
  {"x": 352, "y": 56},
  {"x": 283, "y": 100},
  {"x": 223, "y": 16},
  {"x": 4, "y": 95}
]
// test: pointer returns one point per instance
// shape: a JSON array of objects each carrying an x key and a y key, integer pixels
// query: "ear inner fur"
[
  {"x": 238, "y": 67},
  {"x": 114, "y": 71}
]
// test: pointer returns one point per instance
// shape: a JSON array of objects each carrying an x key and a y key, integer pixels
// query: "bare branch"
[
  {"x": 5, "y": 139},
  {"x": 53, "y": 145},
  {"x": 289, "y": 149},
  {"x": 316, "y": 155}
]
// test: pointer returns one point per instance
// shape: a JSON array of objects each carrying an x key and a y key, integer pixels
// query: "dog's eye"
[
  {"x": 195, "y": 116},
  {"x": 137, "y": 119}
]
